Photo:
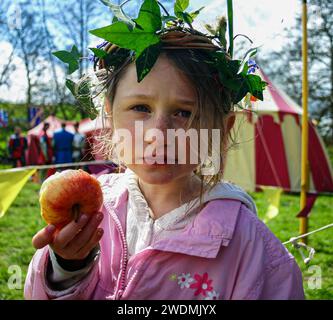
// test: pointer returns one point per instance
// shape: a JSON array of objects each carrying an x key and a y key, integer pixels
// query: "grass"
[{"x": 22, "y": 220}]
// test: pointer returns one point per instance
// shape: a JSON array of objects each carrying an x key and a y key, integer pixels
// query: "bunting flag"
[
  {"x": 272, "y": 196},
  {"x": 310, "y": 201},
  {"x": 11, "y": 183}
]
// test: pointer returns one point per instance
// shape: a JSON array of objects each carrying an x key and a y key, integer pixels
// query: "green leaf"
[
  {"x": 149, "y": 18},
  {"x": 82, "y": 94},
  {"x": 142, "y": 36},
  {"x": 195, "y": 13},
  {"x": 240, "y": 93},
  {"x": 70, "y": 57},
  {"x": 180, "y": 6},
  {"x": 187, "y": 17},
  {"x": 119, "y": 34},
  {"x": 256, "y": 85},
  {"x": 118, "y": 13},
  {"x": 99, "y": 52},
  {"x": 71, "y": 86},
  {"x": 147, "y": 59},
  {"x": 230, "y": 27}
]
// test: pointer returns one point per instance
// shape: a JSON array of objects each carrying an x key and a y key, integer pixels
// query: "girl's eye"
[
  {"x": 184, "y": 113},
  {"x": 140, "y": 108}
]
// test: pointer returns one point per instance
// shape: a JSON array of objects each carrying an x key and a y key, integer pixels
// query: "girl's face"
[{"x": 163, "y": 100}]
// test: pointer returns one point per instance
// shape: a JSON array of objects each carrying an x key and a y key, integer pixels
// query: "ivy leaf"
[
  {"x": 82, "y": 94},
  {"x": 180, "y": 6},
  {"x": 195, "y": 13},
  {"x": 240, "y": 93},
  {"x": 142, "y": 36},
  {"x": 118, "y": 12},
  {"x": 256, "y": 85},
  {"x": 99, "y": 53},
  {"x": 119, "y": 34},
  {"x": 70, "y": 57},
  {"x": 147, "y": 59},
  {"x": 186, "y": 17},
  {"x": 179, "y": 9},
  {"x": 149, "y": 18}
]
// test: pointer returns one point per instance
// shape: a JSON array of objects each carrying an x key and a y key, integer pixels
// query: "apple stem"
[{"x": 75, "y": 212}]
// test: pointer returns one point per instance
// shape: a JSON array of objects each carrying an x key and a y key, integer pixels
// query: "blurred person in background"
[
  {"x": 17, "y": 146},
  {"x": 46, "y": 144},
  {"x": 78, "y": 144},
  {"x": 63, "y": 144}
]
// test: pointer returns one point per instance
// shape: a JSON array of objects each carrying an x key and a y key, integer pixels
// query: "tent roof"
[
  {"x": 86, "y": 126},
  {"x": 55, "y": 124}
]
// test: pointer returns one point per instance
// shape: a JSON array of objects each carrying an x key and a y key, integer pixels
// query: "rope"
[
  {"x": 302, "y": 246},
  {"x": 61, "y": 165},
  {"x": 307, "y": 234}
]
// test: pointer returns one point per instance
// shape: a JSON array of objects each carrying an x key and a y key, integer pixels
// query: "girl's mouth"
[{"x": 159, "y": 161}]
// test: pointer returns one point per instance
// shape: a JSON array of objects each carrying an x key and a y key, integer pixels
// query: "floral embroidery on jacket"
[
  {"x": 184, "y": 280},
  {"x": 200, "y": 283},
  {"x": 212, "y": 295}
]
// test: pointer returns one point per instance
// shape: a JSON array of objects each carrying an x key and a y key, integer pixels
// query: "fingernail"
[
  {"x": 50, "y": 228},
  {"x": 100, "y": 232},
  {"x": 83, "y": 218},
  {"x": 99, "y": 216}
]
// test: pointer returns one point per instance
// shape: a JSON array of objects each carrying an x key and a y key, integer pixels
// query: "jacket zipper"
[{"x": 121, "y": 285}]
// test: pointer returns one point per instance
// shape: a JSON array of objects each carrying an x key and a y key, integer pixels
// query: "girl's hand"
[{"x": 74, "y": 241}]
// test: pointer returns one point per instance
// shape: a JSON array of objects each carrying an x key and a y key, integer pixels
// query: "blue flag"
[
  {"x": 3, "y": 118},
  {"x": 34, "y": 114}
]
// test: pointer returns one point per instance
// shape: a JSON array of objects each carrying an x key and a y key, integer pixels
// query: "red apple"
[{"x": 66, "y": 195}]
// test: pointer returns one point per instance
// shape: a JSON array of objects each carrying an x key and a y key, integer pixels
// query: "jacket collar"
[{"x": 212, "y": 228}]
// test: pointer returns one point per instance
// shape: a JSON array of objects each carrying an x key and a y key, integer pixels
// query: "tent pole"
[{"x": 305, "y": 128}]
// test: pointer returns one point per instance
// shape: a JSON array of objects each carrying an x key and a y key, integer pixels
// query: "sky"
[{"x": 261, "y": 20}]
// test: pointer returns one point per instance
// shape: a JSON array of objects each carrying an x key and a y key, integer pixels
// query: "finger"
[
  {"x": 85, "y": 235},
  {"x": 43, "y": 237},
  {"x": 68, "y": 232},
  {"x": 90, "y": 245}
]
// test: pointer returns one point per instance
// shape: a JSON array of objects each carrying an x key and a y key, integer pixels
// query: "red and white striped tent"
[{"x": 269, "y": 150}]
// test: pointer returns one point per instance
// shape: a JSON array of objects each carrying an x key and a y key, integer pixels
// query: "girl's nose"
[
  {"x": 158, "y": 126},
  {"x": 163, "y": 122}
]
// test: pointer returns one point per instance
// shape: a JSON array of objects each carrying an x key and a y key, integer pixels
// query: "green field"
[{"x": 22, "y": 220}]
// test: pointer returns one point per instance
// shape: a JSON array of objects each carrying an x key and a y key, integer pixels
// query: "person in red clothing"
[
  {"x": 46, "y": 144},
  {"x": 17, "y": 146}
]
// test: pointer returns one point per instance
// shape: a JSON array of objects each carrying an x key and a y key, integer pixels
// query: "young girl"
[{"x": 165, "y": 231}]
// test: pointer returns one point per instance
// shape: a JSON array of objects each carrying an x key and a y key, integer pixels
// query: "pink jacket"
[{"x": 225, "y": 253}]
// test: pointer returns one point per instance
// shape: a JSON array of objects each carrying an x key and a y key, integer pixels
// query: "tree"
[{"x": 285, "y": 66}]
